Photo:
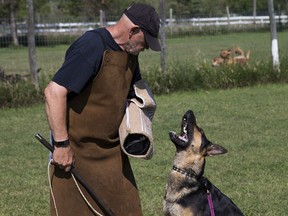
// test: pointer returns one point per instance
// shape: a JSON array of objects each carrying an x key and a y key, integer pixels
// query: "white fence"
[
  {"x": 215, "y": 21},
  {"x": 218, "y": 21},
  {"x": 76, "y": 27}
]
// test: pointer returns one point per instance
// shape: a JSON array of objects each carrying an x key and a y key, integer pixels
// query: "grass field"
[
  {"x": 192, "y": 49},
  {"x": 250, "y": 122}
]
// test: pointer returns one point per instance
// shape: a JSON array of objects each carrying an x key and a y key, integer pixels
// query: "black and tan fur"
[{"x": 187, "y": 190}]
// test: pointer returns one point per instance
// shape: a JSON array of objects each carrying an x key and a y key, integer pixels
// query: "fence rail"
[
  {"x": 239, "y": 20},
  {"x": 70, "y": 27}
]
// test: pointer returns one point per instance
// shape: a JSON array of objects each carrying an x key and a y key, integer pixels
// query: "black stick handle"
[
  {"x": 103, "y": 207},
  {"x": 44, "y": 142}
]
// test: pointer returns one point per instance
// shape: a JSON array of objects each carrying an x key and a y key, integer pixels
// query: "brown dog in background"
[
  {"x": 231, "y": 56},
  {"x": 187, "y": 192}
]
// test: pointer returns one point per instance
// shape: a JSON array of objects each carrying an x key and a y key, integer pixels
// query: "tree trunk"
[
  {"x": 31, "y": 43},
  {"x": 273, "y": 30},
  {"x": 13, "y": 25}
]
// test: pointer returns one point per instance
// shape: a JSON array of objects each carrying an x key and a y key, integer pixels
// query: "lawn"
[
  {"x": 196, "y": 49},
  {"x": 250, "y": 122}
]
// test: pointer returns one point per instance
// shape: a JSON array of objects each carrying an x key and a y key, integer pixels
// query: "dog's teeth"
[
  {"x": 185, "y": 130},
  {"x": 183, "y": 138}
]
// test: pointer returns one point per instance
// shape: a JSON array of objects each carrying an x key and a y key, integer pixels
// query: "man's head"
[{"x": 148, "y": 20}]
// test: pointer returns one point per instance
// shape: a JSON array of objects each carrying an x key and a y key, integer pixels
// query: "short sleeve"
[{"x": 82, "y": 61}]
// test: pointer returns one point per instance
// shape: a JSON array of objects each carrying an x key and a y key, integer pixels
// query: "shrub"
[
  {"x": 178, "y": 77},
  {"x": 19, "y": 94},
  {"x": 188, "y": 76}
]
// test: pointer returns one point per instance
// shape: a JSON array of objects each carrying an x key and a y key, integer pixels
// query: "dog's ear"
[{"x": 215, "y": 149}]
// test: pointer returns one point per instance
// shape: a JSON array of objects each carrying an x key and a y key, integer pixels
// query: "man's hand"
[{"x": 63, "y": 157}]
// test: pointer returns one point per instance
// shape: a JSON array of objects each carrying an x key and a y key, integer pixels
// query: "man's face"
[{"x": 136, "y": 43}]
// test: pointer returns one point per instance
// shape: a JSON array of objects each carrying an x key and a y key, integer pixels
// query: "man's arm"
[{"x": 56, "y": 102}]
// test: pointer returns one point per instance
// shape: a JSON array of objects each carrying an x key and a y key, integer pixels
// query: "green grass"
[
  {"x": 15, "y": 60},
  {"x": 188, "y": 66},
  {"x": 250, "y": 122},
  {"x": 200, "y": 49},
  {"x": 196, "y": 49}
]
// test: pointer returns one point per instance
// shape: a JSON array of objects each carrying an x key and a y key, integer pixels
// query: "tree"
[
  {"x": 13, "y": 24},
  {"x": 12, "y": 7},
  {"x": 210, "y": 9}
]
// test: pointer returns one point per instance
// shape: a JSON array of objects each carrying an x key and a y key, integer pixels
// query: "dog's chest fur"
[
  {"x": 179, "y": 190},
  {"x": 177, "y": 187},
  {"x": 188, "y": 197}
]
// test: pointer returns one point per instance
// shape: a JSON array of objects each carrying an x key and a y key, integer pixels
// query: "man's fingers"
[
  {"x": 63, "y": 165},
  {"x": 66, "y": 168}
]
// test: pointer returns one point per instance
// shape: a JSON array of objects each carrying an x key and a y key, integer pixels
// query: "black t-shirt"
[{"x": 83, "y": 60}]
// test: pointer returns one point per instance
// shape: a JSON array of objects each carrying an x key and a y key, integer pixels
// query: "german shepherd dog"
[{"x": 187, "y": 192}]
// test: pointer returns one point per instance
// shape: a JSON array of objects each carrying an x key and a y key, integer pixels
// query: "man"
[{"x": 85, "y": 103}]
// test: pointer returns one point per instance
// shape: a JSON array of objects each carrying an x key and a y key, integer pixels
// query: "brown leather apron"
[{"x": 94, "y": 117}]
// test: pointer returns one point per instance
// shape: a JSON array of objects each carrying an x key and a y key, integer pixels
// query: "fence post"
[
  {"x": 228, "y": 15},
  {"x": 101, "y": 18},
  {"x": 163, "y": 39},
  {"x": 170, "y": 20},
  {"x": 254, "y": 11},
  {"x": 31, "y": 43},
  {"x": 273, "y": 31}
]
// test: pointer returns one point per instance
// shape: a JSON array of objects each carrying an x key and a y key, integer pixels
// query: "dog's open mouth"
[
  {"x": 184, "y": 137},
  {"x": 184, "y": 132}
]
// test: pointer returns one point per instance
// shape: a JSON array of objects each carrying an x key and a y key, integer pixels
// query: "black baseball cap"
[{"x": 148, "y": 20}]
